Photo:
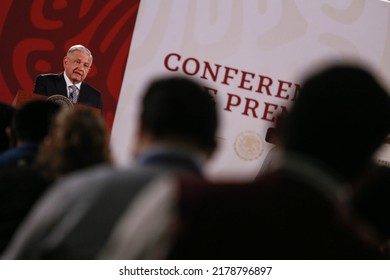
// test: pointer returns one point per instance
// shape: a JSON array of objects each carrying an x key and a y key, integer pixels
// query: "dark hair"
[
  {"x": 79, "y": 140},
  {"x": 341, "y": 117},
  {"x": 32, "y": 121},
  {"x": 179, "y": 108}
]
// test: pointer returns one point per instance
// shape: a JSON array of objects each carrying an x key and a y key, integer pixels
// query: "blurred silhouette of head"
[
  {"x": 78, "y": 139},
  {"x": 177, "y": 110},
  {"x": 32, "y": 121},
  {"x": 340, "y": 118}
]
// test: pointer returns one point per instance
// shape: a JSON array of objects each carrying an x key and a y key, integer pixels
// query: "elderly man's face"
[{"x": 77, "y": 66}]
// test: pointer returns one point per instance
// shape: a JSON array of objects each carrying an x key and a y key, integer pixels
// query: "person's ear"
[
  {"x": 65, "y": 61},
  {"x": 47, "y": 141},
  {"x": 143, "y": 140},
  {"x": 210, "y": 152},
  {"x": 11, "y": 137}
]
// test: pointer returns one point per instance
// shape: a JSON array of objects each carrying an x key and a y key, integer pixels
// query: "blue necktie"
[{"x": 73, "y": 93}]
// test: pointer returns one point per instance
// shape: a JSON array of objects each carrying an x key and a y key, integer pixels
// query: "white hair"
[{"x": 80, "y": 48}]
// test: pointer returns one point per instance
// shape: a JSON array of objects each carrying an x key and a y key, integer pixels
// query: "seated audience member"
[
  {"x": 371, "y": 203},
  {"x": 127, "y": 213},
  {"x": 6, "y": 114},
  {"x": 21, "y": 185},
  {"x": 77, "y": 139},
  {"x": 30, "y": 125},
  {"x": 299, "y": 210}
]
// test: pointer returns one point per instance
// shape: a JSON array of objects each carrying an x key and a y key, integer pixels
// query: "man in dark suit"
[{"x": 70, "y": 83}]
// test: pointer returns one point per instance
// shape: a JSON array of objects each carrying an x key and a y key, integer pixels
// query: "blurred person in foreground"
[
  {"x": 104, "y": 213},
  {"x": 300, "y": 209},
  {"x": 20, "y": 184},
  {"x": 30, "y": 125},
  {"x": 78, "y": 139}
]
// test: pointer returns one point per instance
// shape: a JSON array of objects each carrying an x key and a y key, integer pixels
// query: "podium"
[{"x": 23, "y": 96}]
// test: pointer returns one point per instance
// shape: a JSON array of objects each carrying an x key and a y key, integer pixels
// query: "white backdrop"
[{"x": 261, "y": 50}]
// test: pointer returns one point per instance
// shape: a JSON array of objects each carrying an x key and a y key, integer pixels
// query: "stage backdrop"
[
  {"x": 35, "y": 35},
  {"x": 252, "y": 55}
]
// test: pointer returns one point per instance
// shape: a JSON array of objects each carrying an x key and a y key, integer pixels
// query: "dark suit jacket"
[{"x": 52, "y": 84}]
